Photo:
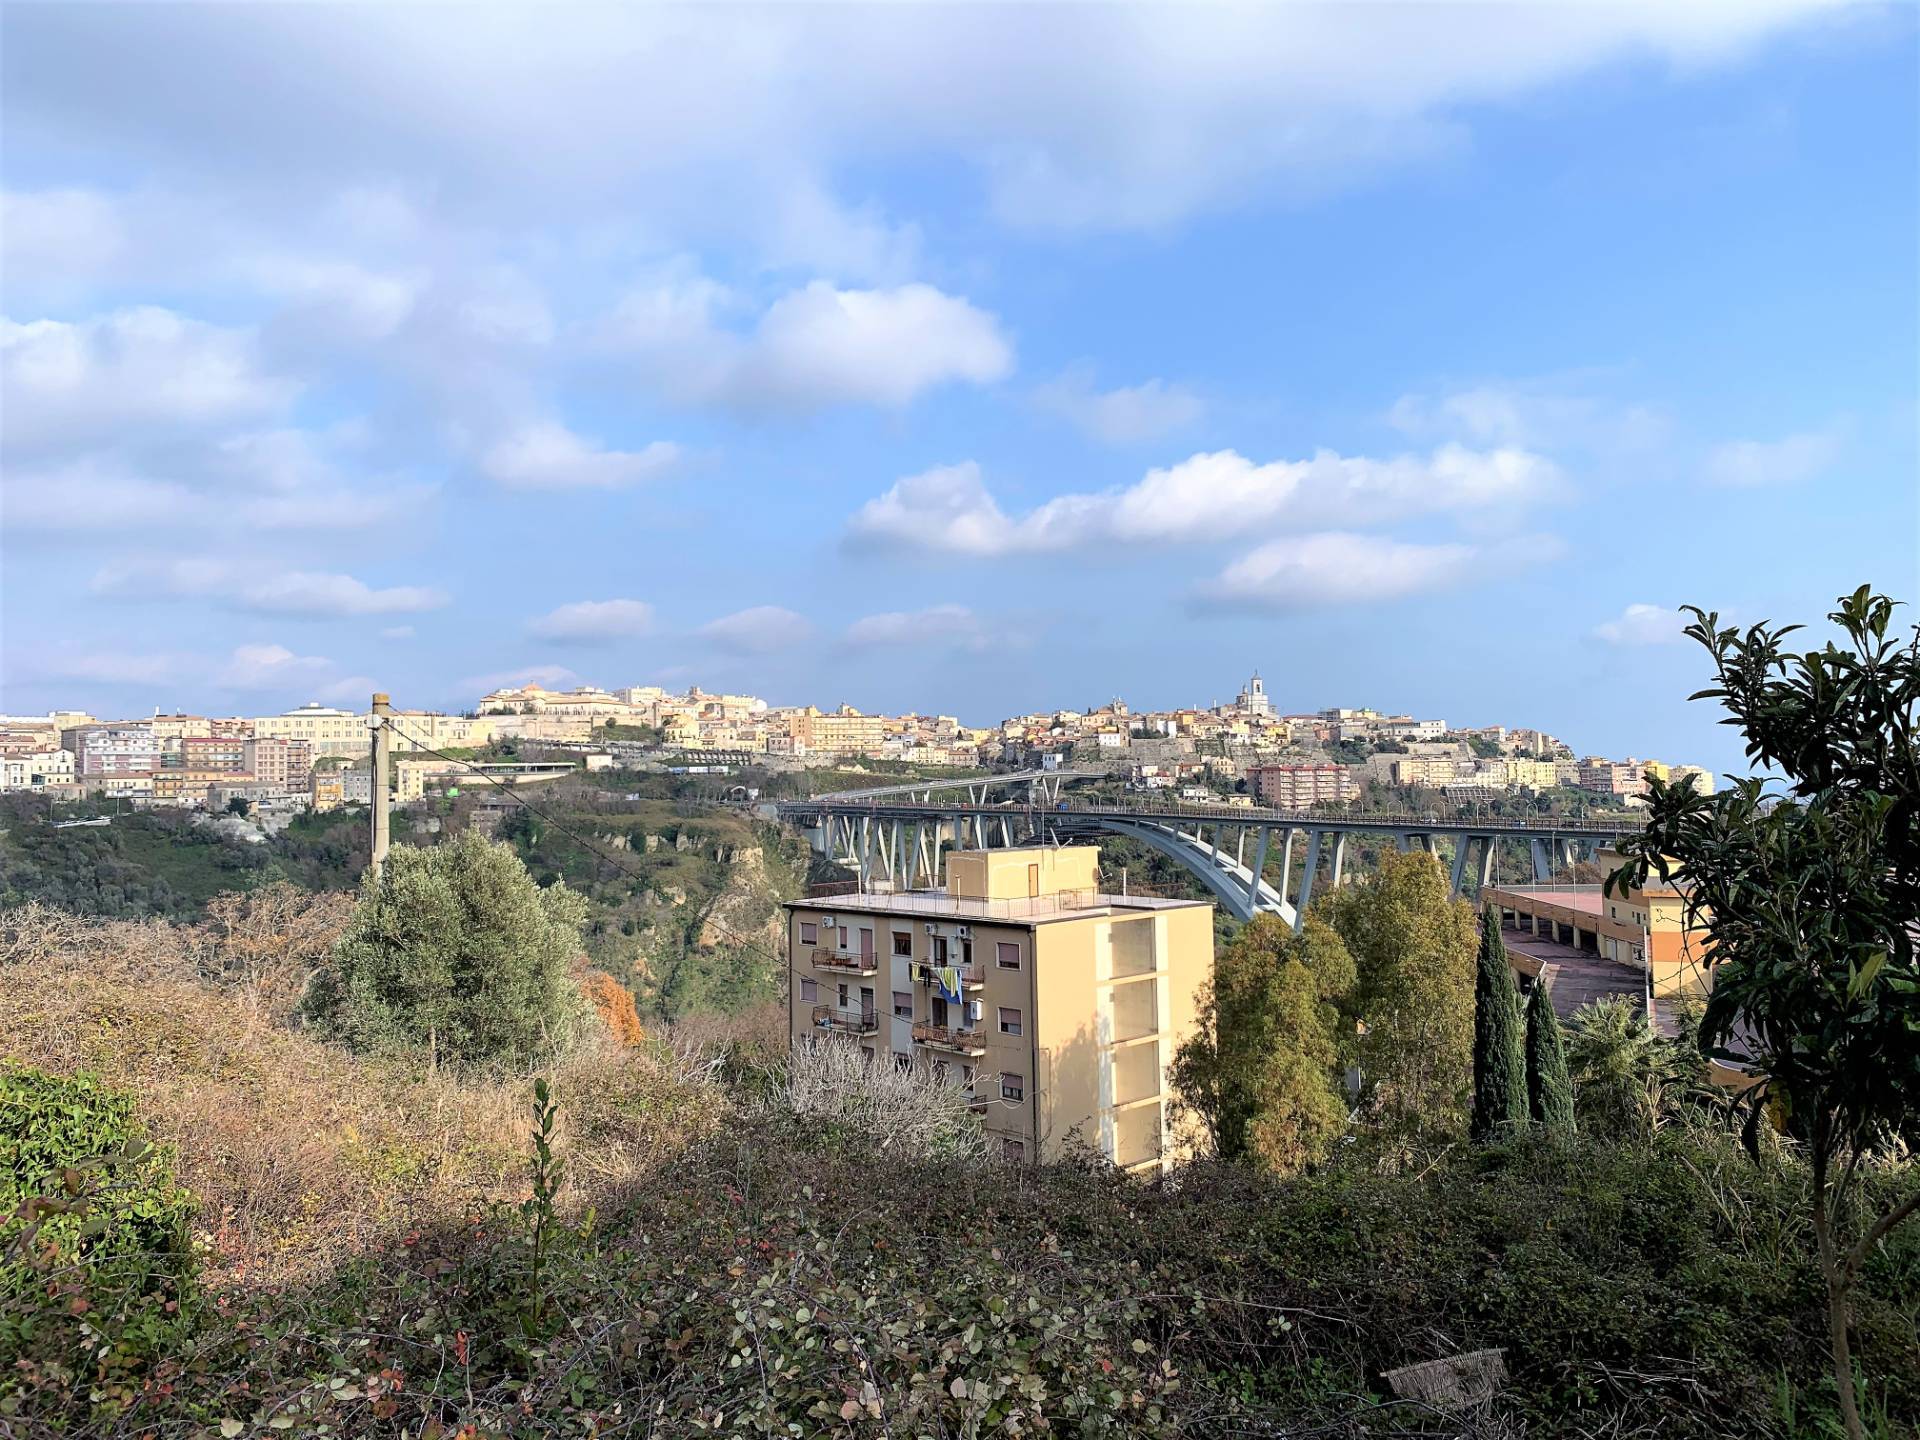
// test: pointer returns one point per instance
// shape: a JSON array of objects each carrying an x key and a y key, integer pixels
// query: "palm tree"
[{"x": 1619, "y": 1066}]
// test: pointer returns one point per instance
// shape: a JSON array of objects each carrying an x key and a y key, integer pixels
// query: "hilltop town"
[{"x": 1243, "y": 752}]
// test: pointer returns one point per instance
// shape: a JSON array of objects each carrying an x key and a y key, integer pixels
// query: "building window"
[
  {"x": 902, "y": 943},
  {"x": 1013, "y": 1087},
  {"x": 809, "y": 933},
  {"x": 966, "y": 1074},
  {"x": 903, "y": 1004},
  {"x": 902, "y": 1060},
  {"x": 841, "y": 994},
  {"x": 1014, "y": 1150},
  {"x": 1007, "y": 955},
  {"x": 842, "y": 939},
  {"x": 1009, "y": 1020},
  {"x": 809, "y": 989},
  {"x": 866, "y": 1053}
]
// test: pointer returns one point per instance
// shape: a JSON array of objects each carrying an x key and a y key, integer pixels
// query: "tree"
[
  {"x": 1806, "y": 879},
  {"x": 1261, "y": 1072},
  {"x": 1413, "y": 949},
  {"x": 1499, "y": 1057},
  {"x": 239, "y": 805},
  {"x": 1549, "y": 1087},
  {"x": 455, "y": 950},
  {"x": 1616, "y": 1063}
]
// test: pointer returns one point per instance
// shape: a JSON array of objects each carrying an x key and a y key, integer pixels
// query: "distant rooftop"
[{"x": 1040, "y": 909}]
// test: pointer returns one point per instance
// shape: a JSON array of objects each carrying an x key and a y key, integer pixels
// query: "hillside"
[{"x": 717, "y": 1260}]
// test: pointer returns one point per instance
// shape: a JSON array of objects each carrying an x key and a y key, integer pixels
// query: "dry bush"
[
  {"x": 613, "y": 1002},
  {"x": 297, "y": 1152},
  {"x": 902, "y": 1113},
  {"x": 752, "y": 1038},
  {"x": 265, "y": 944}
]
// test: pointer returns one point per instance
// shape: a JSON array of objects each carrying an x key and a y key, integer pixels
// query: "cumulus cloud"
[
  {"x": 941, "y": 626},
  {"x": 1334, "y": 568},
  {"x": 1546, "y": 413},
  {"x": 143, "y": 367},
  {"x": 59, "y": 232},
  {"x": 594, "y": 621},
  {"x": 811, "y": 349},
  {"x": 1209, "y": 496},
  {"x": 759, "y": 630},
  {"x": 1123, "y": 416},
  {"x": 546, "y": 455},
  {"x": 1641, "y": 624},
  {"x": 1752, "y": 464}
]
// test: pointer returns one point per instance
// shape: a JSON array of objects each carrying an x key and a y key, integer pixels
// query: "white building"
[{"x": 31, "y": 769}]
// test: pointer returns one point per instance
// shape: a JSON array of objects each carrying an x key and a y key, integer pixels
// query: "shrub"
[{"x": 912, "y": 1112}]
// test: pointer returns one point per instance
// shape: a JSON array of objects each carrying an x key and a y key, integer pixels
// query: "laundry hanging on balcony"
[{"x": 947, "y": 978}]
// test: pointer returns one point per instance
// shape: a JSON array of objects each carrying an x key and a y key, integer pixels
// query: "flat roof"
[
  {"x": 1587, "y": 899},
  {"x": 1039, "y": 910}
]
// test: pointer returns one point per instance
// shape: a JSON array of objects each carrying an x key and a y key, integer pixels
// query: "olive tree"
[
  {"x": 1806, "y": 880},
  {"x": 455, "y": 951}
]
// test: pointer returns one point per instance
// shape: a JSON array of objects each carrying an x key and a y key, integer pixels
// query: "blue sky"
[{"x": 972, "y": 360}]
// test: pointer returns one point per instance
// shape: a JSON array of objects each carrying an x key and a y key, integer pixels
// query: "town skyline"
[{"x": 1398, "y": 358}]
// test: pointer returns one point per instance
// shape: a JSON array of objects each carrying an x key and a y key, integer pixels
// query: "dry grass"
[{"x": 299, "y": 1153}]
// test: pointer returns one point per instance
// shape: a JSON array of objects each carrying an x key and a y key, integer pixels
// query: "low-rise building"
[
  {"x": 1055, "y": 1007},
  {"x": 331, "y": 789},
  {"x": 36, "y": 769},
  {"x": 1611, "y": 777}
]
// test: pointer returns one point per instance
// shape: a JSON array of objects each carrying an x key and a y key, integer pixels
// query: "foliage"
[
  {"x": 456, "y": 951},
  {"x": 1414, "y": 949},
  {"x": 1808, "y": 887},
  {"x": 51, "y": 1124},
  {"x": 137, "y": 865},
  {"x": 613, "y": 1003},
  {"x": 1261, "y": 1071},
  {"x": 1499, "y": 1056},
  {"x": 1549, "y": 1086},
  {"x": 1619, "y": 1066}
]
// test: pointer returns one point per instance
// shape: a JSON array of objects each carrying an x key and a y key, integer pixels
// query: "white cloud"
[
  {"x": 1209, "y": 496},
  {"x": 760, "y": 630},
  {"x": 1640, "y": 625},
  {"x": 546, "y": 455},
  {"x": 1123, "y": 416},
  {"x": 59, "y": 232},
  {"x": 594, "y": 621},
  {"x": 943, "y": 626},
  {"x": 1333, "y": 568},
  {"x": 143, "y": 367},
  {"x": 813, "y": 348},
  {"x": 300, "y": 593},
  {"x": 553, "y": 677},
  {"x": 1552, "y": 412},
  {"x": 1757, "y": 463},
  {"x": 397, "y": 632},
  {"x": 265, "y": 667},
  {"x": 113, "y": 667},
  {"x": 1109, "y": 118}
]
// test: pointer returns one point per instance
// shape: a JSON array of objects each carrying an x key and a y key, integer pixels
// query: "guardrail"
[
  {"x": 863, "y": 1021},
  {"x": 1316, "y": 819}
]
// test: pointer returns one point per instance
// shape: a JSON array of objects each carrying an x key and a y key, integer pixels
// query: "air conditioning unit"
[
  {"x": 827, "y": 920},
  {"x": 966, "y": 932},
  {"x": 932, "y": 929}
]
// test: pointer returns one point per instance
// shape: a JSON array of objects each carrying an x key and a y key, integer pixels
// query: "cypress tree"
[
  {"x": 1549, "y": 1089},
  {"x": 1499, "y": 1058}
]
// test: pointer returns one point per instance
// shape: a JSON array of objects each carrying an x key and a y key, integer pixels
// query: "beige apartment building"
[{"x": 1055, "y": 1007}]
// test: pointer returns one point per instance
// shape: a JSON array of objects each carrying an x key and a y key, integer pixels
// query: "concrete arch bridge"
[{"x": 1245, "y": 858}]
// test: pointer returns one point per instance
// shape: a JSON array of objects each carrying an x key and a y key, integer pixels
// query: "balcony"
[
  {"x": 864, "y": 1021},
  {"x": 946, "y": 1037},
  {"x": 845, "y": 963},
  {"x": 972, "y": 977}
]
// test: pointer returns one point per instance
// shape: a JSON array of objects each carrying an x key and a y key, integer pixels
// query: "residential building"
[
  {"x": 1524, "y": 774},
  {"x": 1055, "y": 1007},
  {"x": 1300, "y": 787},
  {"x": 1611, "y": 777},
  {"x": 333, "y": 788},
  {"x": 430, "y": 730},
  {"x": 120, "y": 748},
  {"x": 280, "y": 763},
  {"x": 1703, "y": 779},
  {"x": 36, "y": 769},
  {"x": 1435, "y": 772},
  {"x": 844, "y": 732},
  {"x": 226, "y": 755}
]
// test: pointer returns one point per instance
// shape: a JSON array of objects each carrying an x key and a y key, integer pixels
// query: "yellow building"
[{"x": 1057, "y": 1008}]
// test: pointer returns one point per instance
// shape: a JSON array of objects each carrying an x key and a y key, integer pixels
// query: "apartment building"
[
  {"x": 844, "y": 732},
  {"x": 1612, "y": 777},
  {"x": 111, "y": 749},
  {"x": 279, "y": 763},
  {"x": 1055, "y": 1007},
  {"x": 220, "y": 754},
  {"x": 35, "y": 769},
  {"x": 333, "y": 788},
  {"x": 1300, "y": 787}
]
